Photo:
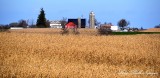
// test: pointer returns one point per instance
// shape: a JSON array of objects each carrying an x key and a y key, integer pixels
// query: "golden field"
[
  {"x": 152, "y": 30},
  {"x": 45, "y": 53}
]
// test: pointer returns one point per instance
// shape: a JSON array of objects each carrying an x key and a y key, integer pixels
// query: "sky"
[{"x": 140, "y": 13}]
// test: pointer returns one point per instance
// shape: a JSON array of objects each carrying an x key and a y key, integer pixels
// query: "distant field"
[
  {"x": 45, "y": 53},
  {"x": 152, "y": 30},
  {"x": 149, "y": 31},
  {"x": 87, "y": 31},
  {"x": 133, "y": 33}
]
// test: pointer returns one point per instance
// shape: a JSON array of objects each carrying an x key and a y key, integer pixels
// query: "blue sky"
[{"x": 140, "y": 13}]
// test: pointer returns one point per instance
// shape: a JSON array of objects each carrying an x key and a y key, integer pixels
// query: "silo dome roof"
[{"x": 92, "y": 12}]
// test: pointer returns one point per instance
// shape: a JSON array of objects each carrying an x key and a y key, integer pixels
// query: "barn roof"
[
  {"x": 70, "y": 24},
  {"x": 55, "y": 22}
]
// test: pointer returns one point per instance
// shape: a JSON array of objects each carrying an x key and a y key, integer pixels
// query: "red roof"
[{"x": 70, "y": 25}]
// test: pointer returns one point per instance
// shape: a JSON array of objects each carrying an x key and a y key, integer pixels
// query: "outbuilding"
[
  {"x": 114, "y": 28},
  {"x": 70, "y": 25}
]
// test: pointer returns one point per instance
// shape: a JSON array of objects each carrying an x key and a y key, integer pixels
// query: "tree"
[
  {"x": 157, "y": 26},
  {"x": 47, "y": 23},
  {"x": 141, "y": 28},
  {"x": 104, "y": 31},
  {"x": 23, "y": 23},
  {"x": 4, "y": 27},
  {"x": 123, "y": 23},
  {"x": 63, "y": 22},
  {"x": 32, "y": 24},
  {"x": 41, "y": 21},
  {"x": 105, "y": 23},
  {"x": 96, "y": 23},
  {"x": 13, "y": 24}
]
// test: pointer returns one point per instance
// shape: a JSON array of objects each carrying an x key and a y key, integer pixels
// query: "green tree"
[
  {"x": 41, "y": 21},
  {"x": 123, "y": 23}
]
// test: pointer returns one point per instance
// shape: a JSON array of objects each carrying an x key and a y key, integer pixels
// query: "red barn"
[{"x": 71, "y": 25}]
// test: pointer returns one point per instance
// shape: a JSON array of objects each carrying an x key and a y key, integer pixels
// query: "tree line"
[{"x": 42, "y": 22}]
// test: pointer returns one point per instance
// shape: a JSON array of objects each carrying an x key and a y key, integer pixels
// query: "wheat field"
[
  {"x": 45, "y": 53},
  {"x": 152, "y": 30}
]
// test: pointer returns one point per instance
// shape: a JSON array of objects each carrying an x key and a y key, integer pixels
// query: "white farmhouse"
[
  {"x": 55, "y": 24},
  {"x": 114, "y": 28},
  {"x": 16, "y": 28}
]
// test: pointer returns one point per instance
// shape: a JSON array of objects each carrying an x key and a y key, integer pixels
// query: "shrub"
[
  {"x": 69, "y": 31},
  {"x": 4, "y": 28},
  {"x": 104, "y": 31},
  {"x": 64, "y": 31}
]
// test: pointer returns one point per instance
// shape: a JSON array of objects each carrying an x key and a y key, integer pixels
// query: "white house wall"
[
  {"x": 53, "y": 26},
  {"x": 114, "y": 28}
]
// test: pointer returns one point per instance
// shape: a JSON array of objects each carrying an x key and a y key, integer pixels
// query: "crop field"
[{"x": 45, "y": 53}]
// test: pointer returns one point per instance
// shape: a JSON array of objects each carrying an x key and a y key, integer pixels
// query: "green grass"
[{"x": 133, "y": 33}]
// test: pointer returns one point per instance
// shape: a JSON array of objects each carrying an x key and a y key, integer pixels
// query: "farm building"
[
  {"x": 92, "y": 20},
  {"x": 112, "y": 27},
  {"x": 106, "y": 25},
  {"x": 16, "y": 28},
  {"x": 71, "y": 25},
  {"x": 55, "y": 24},
  {"x": 81, "y": 23}
]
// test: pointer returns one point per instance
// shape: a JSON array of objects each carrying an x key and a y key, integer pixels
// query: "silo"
[
  {"x": 91, "y": 20},
  {"x": 79, "y": 22}
]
